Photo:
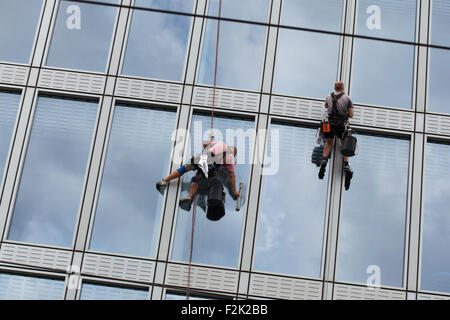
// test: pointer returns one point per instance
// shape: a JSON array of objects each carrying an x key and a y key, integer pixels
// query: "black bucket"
[
  {"x": 316, "y": 156},
  {"x": 349, "y": 146}
]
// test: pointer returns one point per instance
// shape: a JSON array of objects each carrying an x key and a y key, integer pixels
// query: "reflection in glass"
[
  {"x": 53, "y": 174},
  {"x": 440, "y": 20},
  {"x": 215, "y": 242},
  {"x": 317, "y": 14},
  {"x": 373, "y": 214},
  {"x": 439, "y": 79},
  {"x": 173, "y": 5},
  {"x": 129, "y": 208},
  {"x": 388, "y": 19},
  {"x": 292, "y": 211},
  {"x": 17, "y": 287},
  {"x": 241, "y": 49},
  {"x": 102, "y": 292},
  {"x": 157, "y": 45},
  {"x": 9, "y": 103},
  {"x": 82, "y": 36},
  {"x": 306, "y": 64},
  {"x": 18, "y": 23},
  {"x": 382, "y": 73},
  {"x": 250, "y": 10},
  {"x": 435, "y": 266}
]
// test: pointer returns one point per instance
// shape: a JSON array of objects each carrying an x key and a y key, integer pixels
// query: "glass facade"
[
  {"x": 18, "y": 27},
  {"x": 99, "y": 100},
  {"x": 47, "y": 205}
]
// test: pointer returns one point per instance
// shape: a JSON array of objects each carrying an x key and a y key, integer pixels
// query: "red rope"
[
  {"x": 215, "y": 70},
  {"x": 192, "y": 246}
]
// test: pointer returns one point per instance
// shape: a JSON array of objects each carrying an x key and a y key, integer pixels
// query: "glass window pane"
[
  {"x": 439, "y": 78},
  {"x": 251, "y": 10},
  {"x": 373, "y": 214},
  {"x": 435, "y": 267},
  {"x": 128, "y": 212},
  {"x": 9, "y": 103},
  {"x": 382, "y": 73},
  {"x": 102, "y": 292},
  {"x": 173, "y": 5},
  {"x": 241, "y": 50},
  {"x": 389, "y": 19},
  {"x": 173, "y": 296},
  {"x": 17, "y": 287},
  {"x": 82, "y": 36},
  {"x": 215, "y": 242},
  {"x": 440, "y": 20},
  {"x": 51, "y": 184},
  {"x": 18, "y": 25},
  {"x": 157, "y": 45},
  {"x": 291, "y": 219},
  {"x": 306, "y": 64},
  {"x": 317, "y": 14}
]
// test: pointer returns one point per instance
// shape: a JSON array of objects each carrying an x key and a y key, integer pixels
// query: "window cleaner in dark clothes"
[
  {"x": 340, "y": 108},
  {"x": 221, "y": 154}
]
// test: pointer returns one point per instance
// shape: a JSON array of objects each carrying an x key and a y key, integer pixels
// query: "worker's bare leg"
[
  {"x": 325, "y": 155},
  {"x": 176, "y": 174},
  {"x": 186, "y": 202}
]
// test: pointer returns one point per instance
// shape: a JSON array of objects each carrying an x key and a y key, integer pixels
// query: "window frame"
[{"x": 25, "y": 144}]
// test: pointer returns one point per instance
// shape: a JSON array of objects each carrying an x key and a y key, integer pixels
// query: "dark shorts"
[{"x": 335, "y": 130}]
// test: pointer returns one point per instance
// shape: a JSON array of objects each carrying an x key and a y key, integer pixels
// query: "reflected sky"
[
  {"x": 397, "y": 19},
  {"x": 440, "y": 23},
  {"x": 435, "y": 267},
  {"x": 317, "y": 14},
  {"x": 157, "y": 45},
  {"x": 306, "y": 64},
  {"x": 127, "y": 218},
  {"x": 373, "y": 214},
  {"x": 250, "y": 10},
  {"x": 18, "y": 25},
  {"x": 53, "y": 175},
  {"x": 241, "y": 50},
  {"x": 102, "y": 292},
  {"x": 86, "y": 48},
  {"x": 292, "y": 209},
  {"x": 215, "y": 242},
  {"x": 17, "y": 287},
  {"x": 173, "y": 5},
  {"x": 439, "y": 79},
  {"x": 172, "y": 296},
  {"x": 382, "y": 73},
  {"x": 9, "y": 104}
]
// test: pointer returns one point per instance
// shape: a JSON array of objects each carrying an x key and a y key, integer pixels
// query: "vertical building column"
[
  {"x": 250, "y": 223},
  {"x": 171, "y": 193},
  {"x": 418, "y": 144},
  {"x": 43, "y": 37},
  {"x": 422, "y": 36},
  {"x": 336, "y": 178},
  {"x": 196, "y": 40},
  {"x": 271, "y": 48},
  {"x": 346, "y": 48},
  {"x": 413, "y": 260},
  {"x": 106, "y": 107}
]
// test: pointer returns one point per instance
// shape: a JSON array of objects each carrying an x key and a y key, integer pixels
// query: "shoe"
[
  {"x": 348, "y": 176},
  {"x": 323, "y": 167},
  {"x": 186, "y": 203},
  {"x": 161, "y": 186}
]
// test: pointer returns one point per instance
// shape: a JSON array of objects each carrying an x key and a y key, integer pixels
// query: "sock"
[{"x": 345, "y": 163}]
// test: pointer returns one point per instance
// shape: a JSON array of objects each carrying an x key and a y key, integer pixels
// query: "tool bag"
[{"x": 350, "y": 145}]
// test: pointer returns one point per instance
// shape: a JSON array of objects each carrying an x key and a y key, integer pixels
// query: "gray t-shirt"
[{"x": 343, "y": 104}]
